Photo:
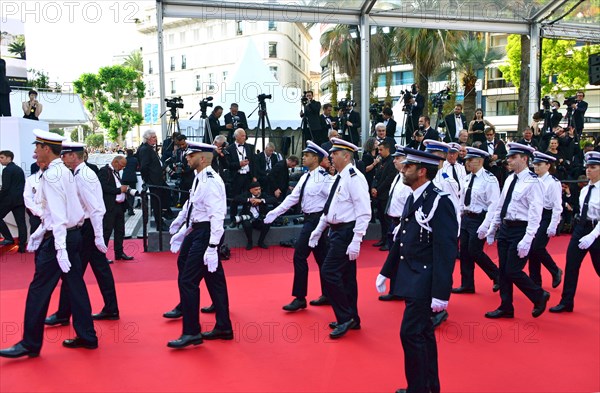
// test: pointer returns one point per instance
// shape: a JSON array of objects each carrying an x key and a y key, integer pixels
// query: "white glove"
[
  {"x": 491, "y": 232},
  {"x": 438, "y": 305},
  {"x": 586, "y": 241},
  {"x": 175, "y": 226},
  {"x": 482, "y": 232},
  {"x": 211, "y": 259},
  {"x": 314, "y": 238},
  {"x": 380, "y": 283},
  {"x": 523, "y": 247},
  {"x": 353, "y": 250},
  {"x": 551, "y": 232},
  {"x": 490, "y": 240},
  {"x": 36, "y": 239},
  {"x": 62, "y": 256},
  {"x": 395, "y": 232},
  {"x": 100, "y": 245},
  {"x": 270, "y": 217},
  {"x": 177, "y": 239}
]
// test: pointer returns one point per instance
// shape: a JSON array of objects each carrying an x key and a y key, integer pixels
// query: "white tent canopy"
[{"x": 59, "y": 109}]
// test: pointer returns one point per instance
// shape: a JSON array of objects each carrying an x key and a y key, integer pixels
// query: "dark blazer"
[
  {"x": 499, "y": 149},
  {"x": 109, "y": 188},
  {"x": 311, "y": 113},
  {"x": 384, "y": 176},
  {"x": 354, "y": 118},
  {"x": 325, "y": 126},
  {"x": 392, "y": 143},
  {"x": 263, "y": 208},
  {"x": 233, "y": 158},
  {"x": 150, "y": 166},
  {"x": 578, "y": 114},
  {"x": 556, "y": 118},
  {"x": 279, "y": 178},
  {"x": 93, "y": 167},
  {"x": 219, "y": 163},
  {"x": 533, "y": 143},
  {"x": 422, "y": 260},
  {"x": 129, "y": 172},
  {"x": 390, "y": 128},
  {"x": 215, "y": 129},
  {"x": 430, "y": 133},
  {"x": 13, "y": 186},
  {"x": 242, "y": 122},
  {"x": 451, "y": 126}
]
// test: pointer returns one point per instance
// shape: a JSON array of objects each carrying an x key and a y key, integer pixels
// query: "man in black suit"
[
  {"x": 115, "y": 201},
  {"x": 311, "y": 124},
  {"x": 215, "y": 125},
  {"x": 219, "y": 161},
  {"x": 384, "y": 176},
  {"x": 455, "y": 122},
  {"x": 495, "y": 163},
  {"x": 351, "y": 126},
  {"x": 423, "y": 264},
  {"x": 186, "y": 174},
  {"x": 255, "y": 208},
  {"x": 168, "y": 148},
  {"x": 416, "y": 103},
  {"x": 237, "y": 119},
  {"x": 528, "y": 139},
  {"x": 93, "y": 167},
  {"x": 265, "y": 162},
  {"x": 279, "y": 178},
  {"x": 242, "y": 166},
  {"x": 425, "y": 127},
  {"x": 579, "y": 107},
  {"x": 152, "y": 174},
  {"x": 556, "y": 115},
  {"x": 389, "y": 122},
  {"x": 328, "y": 123},
  {"x": 11, "y": 199},
  {"x": 4, "y": 91},
  {"x": 381, "y": 136}
]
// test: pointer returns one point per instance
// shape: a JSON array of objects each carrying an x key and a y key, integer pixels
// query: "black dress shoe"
[
  {"x": 17, "y": 351},
  {"x": 320, "y": 301},
  {"x": 185, "y": 340},
  {"x": 333, "y": 325},
  {"x": 7, "y": 242},
  {"x": 499, "y": 314},
  {"x": 295, "y": 305},
  {"x": 232, "y": 224},
  {"x": 389, "y": 297},
  {"x": 263, "y": 245},
  {"x": 384, "y": 248},
  {"x": 80, "y": 343},
  {"x": 557, "y": 279},
  {"x": 249, "y": 246},
  {"x": 438, "y": 318},
  {"x": 379, "y": 243},
  {"x": 123, "y": 256},
  {"x": 173, "y": 314},
  {"x": 217, "y": 334},
  {"x": 540, "y": 307},
  {"x": 208, "y": 310},
  {"x": 54, "y": 320},
  {"x": 106, "y": 316},
  {"x": 342, "y": 328},
  {"x": 401, "y": 391},
  {"x": 463, "y": 290},
  {"x": 496, "y": 286},
  {"x": 561, "y": 308}
]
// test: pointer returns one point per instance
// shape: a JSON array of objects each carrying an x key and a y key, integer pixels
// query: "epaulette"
[
  {"x": 352, "y": 172},
  {"x": 488, "y": 172},
  {"x": 323, "y": 172},
  {"x": 554, "y": 177},
  {"x": 533, "y": 174},
  {"x": 440, "y": 192},
  {"x": 209, "y": 174}
]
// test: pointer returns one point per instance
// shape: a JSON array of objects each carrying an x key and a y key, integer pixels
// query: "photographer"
[
  {"x": 311, "y": 124},
  {"x": 389, "y": 122},
  {"x": 350, "y": 122},
  {"x": 168, "y": 148},
  {"x": 279, "y": 178},
  {"x": 219, "y": 161},
  {"x": 413, "y": 106},
  {"x": 32, "y": 108},
  {"x": 181, "y": 167},
  {"x": 233, "y": 120},
  {"x": 579, "y": 107},
  {"x": 215, "y": 125},
  {"x": 255, "y": 207},
  {"x": 265, "y": 162}
]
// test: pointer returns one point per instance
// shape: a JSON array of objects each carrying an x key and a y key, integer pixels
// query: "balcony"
[{"x": 498, "y": 84}]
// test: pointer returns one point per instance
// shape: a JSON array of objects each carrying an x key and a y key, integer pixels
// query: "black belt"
[
  {"x": 395, "y": 220},
  {"x": 311, "y": 215},
  {"x": 475, "y": 215},
  {"x": 547, "y": 213},
  {"x": 514, "y": 223},
  {"x": 201, "y": 225},
  {"x": 344, "y": 225},
  {"x": 587, "y": 223},
  {"x": 49, "y": 234}
]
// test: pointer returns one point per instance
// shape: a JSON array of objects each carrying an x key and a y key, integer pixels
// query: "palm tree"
[
  {"x": 381, "y": 53},
  {"x": 470, "y": 56},
  {"x": 18, "y": 47},
  {"x": 135, "y": 61}
]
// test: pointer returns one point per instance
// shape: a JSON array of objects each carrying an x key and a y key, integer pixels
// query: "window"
[
  {"x": 183, "y": 62},
  {"x": 173, "y": 88},
  {"x": 171, "y": 39},
  {"x": 506, "y": 108},
  {"x": 239, "y": 30},
  {"x": 299, "y": 61},
  {"x": 273, "y": 70},
  {"x": 499, "y": 40},
  {"x": 403, "y": 78},
  {"x": 225, "y": 73},
  {"x": 150, "y": 69},
  {"x": 172, "y": 63},
  {"x": 272, "y": 25},
  {"x": 209, "y": 32},
  {"x": 211, "y": 81},
  {"x": 151, "y": 88},
  {"x": 381, "y": 80},
  {"x": 299, "y": 42},
  {"x": 198, "y": 83},
  {"x": 196, "y": 35},
  {"x": 272, "y": 49},
  {"x": 182, "y": 37}
]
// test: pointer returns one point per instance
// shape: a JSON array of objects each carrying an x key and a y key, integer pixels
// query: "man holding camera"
[
  {"x": 215, "y": 125},
  {"x": 237, "y": 119},
  {"x": 414, "y": 109},
  {"x": 241, "y": 162},
  {"x": 579, "y": 107},
  {"x": 311, "y": 123},
  {"x": 255, "y": 207}
]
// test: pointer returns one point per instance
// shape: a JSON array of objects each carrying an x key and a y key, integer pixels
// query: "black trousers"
[
  {"x": 511, "y": 268},
  {"x": 259, "y": 225},
  {"x": 19, "y": 214},
  {"x": 339, "y": 274},
  {"x": 301, "y": 253},
  {"x": 192, "y": 271},
  {"x": 5, "y": 105},
  {"x": 106, "y": 282},
  {"x": 34, "y": 222},
  {"x": 239, "y": 185},
  {"x": 420, "y": 348},
  {"x": 164, "y": 197},
  {"x": 383, "y": 219},
  {"x": 538, "y": 255},
  {"x": 471, "y": 252},
  {"x": 394, "y": 222},
  {"x": 574, "y": 259},
  {"x": 47, "y": 274},
  {"x": 115, "y": 220}
]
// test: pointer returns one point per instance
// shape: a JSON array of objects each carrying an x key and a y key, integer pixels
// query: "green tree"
[
  {"x": 58, "y": 131},
  {"x": 108, "y": 96},
  {"x": 17, "y": 47},
  {"x": 86, "y": 131},
  {"x": 136, "y": 61},
  {"x": 38, "y": 79},
  {"x": 95, "y": 140}
]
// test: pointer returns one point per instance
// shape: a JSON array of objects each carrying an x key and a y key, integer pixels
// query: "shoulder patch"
[
  {"x": 323, "y": 172},
  {"x": 445, "y": 175},
  {"x": 554, "y": 177},
  {"x": 533, "y": 174},
  {"x": 440, "y": 192},
  {"x": 352, "y": 172},
  {"x": 488, "y": 172},
  {"x": 209, "y": 174}
]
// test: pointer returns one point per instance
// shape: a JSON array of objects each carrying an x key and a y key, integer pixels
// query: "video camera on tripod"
[
  {"x": 407, "y": 96},
  {"x": 304, "y": 99},
  {"x": 437, "y": 101},
  {"x": 173, "y": 104},
  {"x": 205, "y": 103}
]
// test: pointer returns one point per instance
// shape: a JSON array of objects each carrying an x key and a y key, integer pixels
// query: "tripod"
[
  {"x": 173, "y": 121},
  {"x": 263, "y": 121},
  {"x": 204, "y": 125},
  {"x": 442, "y": 125}
]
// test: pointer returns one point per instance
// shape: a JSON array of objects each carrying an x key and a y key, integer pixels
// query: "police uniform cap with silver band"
[
  {"x": 312, "y": 147},
  {"x": 199, "y": 147},
  {"x": 340, "y": 144},
  {"x": 72, "y": 147},
  {"x": 414, "y": 156},
  {"x": 47, "y": 137},
  {"x": 454, "y": 147},
  {"x": 592, "y": 158},
  {"x": 541, "y": 157},
  {"x": 399, "y": 151},
  {"x": 518, "y": 148},
  {"x": 473, "y": 152},
  {"x": 433, "y": 145}
]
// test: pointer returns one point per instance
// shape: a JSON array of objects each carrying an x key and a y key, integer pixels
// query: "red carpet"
[{"x": 278, "y": 352}]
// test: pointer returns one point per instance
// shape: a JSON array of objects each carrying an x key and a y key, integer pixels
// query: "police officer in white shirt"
[
  {"x": 478, "y": 199},
  {"x": 517, "y": 219},
  {"x": 586, "y": 236},
  {"x": 548, "y": 225},
  {"x": 311, "y": 192},
  {"x": 347, "y": 212},
  {"x": 58, "y": 243},
  {"x": 199, "y": 228},
  {"x": 94, "y": 249}
]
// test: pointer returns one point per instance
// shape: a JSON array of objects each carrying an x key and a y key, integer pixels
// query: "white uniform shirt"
[
  {"x": 399, "y": 193},
  {"x": 552, "y": 198},
  {"x": 208, "y": 203},
  {"x": 32, "y": 186},
  {"x": 527, "y": 201},
  {"x": 593, "y": 212},
  {"x": 89, "y": 191},
  {"x": 351, "y": 201},
  {"x": 61, "y": 208},
  {"x": 315, "y": 193},
  {"x": 485, "y": 193}
]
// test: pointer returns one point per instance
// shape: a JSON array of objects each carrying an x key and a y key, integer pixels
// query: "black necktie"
[
  {"x": 409, "y": 203},
  {"x": 117, "y": 175},
  {"x": 302, "y": 191},
  {"x": 469, "y": 188},
  {"x": 389, "y": 202},
  {"x": 586, "y": 202},
  {"x": 455, "y": 176},
  {"x": 331, "y": 193},
  {"x": 190, "y": 205},
  {"x": 508, "y": 197}
]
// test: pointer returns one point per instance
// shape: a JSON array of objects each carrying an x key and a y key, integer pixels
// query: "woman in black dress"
[{"x": 477, "y": 127}]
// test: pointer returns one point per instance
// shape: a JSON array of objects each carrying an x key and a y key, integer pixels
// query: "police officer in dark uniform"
[
  {"x": 423, "y": 264},
  {"x": 517, "y": 219},
  {"x": 347, "y": 213},
  {"x": 200, "y": 229},
  {"x": 58, "y": 244},
  {"x": 586, "y": 236},
  {"x": 310, "y": 193}
]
